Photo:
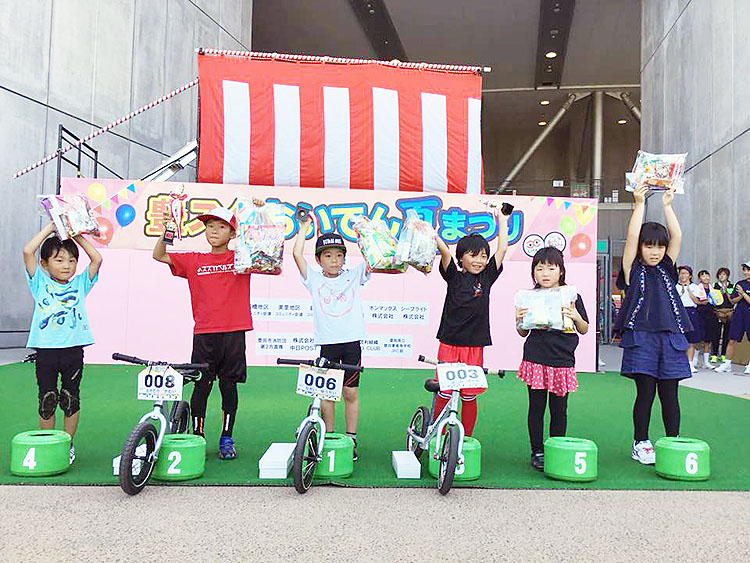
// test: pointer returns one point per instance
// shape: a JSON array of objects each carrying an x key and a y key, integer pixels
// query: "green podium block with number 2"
[
  {"x": 181, "y": 457},
  {"x": 472, "y": 467},
  {"x": 683, "y": 459},
  {"x": 338, "y": 456},
  {"x": 571, "y": 459},
  {"x": 39, "y": 453}
]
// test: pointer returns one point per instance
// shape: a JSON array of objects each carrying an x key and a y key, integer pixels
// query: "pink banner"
[{"x": 138, "y": 308}]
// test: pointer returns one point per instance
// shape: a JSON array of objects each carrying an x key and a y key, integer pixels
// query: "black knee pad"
[
  {"x": 47, "y": 404},
  {"x": 69, "y": 403}
]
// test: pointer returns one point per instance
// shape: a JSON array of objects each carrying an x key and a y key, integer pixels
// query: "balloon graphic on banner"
[
  {"x": 580, "y": 245},
  {"x": 567, "y": 225},
  {"x": 106, "y": 230},
  {"x": 125, "y": 214},
  {"x": 97, "y": 192}
]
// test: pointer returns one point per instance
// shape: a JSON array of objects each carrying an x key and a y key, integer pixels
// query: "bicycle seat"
[
  {"x": 190, "y": 375},
  {"x": 431, "y": 385}
]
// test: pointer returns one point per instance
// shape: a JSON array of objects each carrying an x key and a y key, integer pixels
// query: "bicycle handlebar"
[
  {"x": 499, "y": 372},
  {"x": 134, "y": 360},
  {"x": 319, "y": 362}
]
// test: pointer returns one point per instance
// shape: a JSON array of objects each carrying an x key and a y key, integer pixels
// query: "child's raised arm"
[
  {"x": 502, "y": 238},
  {"x": 634, "y": 230},
  {"x": 299, "y": 246},
  {"x": 30, "y": 248},
  {"x": 673, "y": 226},
  {"x": 94, "y": 257},
  {"x": 445, "y": 253},
  {"x": 160, "y": 251}
]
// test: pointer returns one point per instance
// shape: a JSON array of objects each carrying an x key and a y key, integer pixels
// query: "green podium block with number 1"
[
  {"x": 338, "y": 456},
  {"x": 570, "y": 459},
  {"x": 39, "y": 453},
  {"x": 181, "y": 457}
]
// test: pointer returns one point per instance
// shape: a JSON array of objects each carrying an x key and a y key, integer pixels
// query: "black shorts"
[
  {"x": 224, "y": 352},
  {"x": 345, "y": 353},
  {"x": 67, "y": 362}
]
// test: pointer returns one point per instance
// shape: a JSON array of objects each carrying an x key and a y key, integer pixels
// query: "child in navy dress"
[
  {"x": 740, "y": 325},
  {"x": 548, "y": 366},
  {"x": 653, "y": 321}
]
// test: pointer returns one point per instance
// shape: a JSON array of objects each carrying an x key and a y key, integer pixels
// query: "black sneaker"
[{"x": 537, "y": 461}]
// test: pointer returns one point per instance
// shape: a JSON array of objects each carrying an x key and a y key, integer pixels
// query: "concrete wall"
[
  {"x": 76, "y": 61},
  {"x": 694, "y": 91}
]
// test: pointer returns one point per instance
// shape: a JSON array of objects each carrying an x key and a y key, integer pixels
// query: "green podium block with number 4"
[
  {"x": 338, "y": 456},
  {"x": 39, "y": 453},
  {"x": 571, "y": 459},
  {"x": 472, "y": 467},
  {"x": 683, "y": 459},
  {"x": 181, "y": 457}
]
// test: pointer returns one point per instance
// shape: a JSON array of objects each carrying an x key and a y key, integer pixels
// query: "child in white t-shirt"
[
  {"x": 692, "y": 295},
  {"x": 338, "y": 317}
]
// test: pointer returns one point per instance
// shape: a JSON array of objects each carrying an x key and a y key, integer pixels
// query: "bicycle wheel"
[
  {"x": 448, "y": 460},
  {"x": 179, "y": 418},
  {"x": 305, "y": 458},
  {"x": 419, "y": 423},
  {"x": 136, "y": 463}
]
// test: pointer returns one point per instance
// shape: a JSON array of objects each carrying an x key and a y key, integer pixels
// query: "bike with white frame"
[
  {"x": 320, "y": 379},
  {"x": 162, "y": 383},
  {"x": 446, "y": 426}
]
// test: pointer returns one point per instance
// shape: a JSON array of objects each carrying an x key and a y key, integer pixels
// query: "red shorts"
[{"x": 469, "y": 355}]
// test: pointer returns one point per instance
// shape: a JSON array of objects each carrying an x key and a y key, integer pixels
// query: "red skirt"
[{"x": 559, "y": 381}]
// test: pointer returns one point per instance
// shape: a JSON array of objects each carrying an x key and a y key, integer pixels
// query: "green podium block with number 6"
[
  {"x": 571, "y": 459},
  {"x": 338, "y": 456},
  {"x": 472, "y": 467},
  {"x": 39, "y": 453},
  {"x": 683, "y": 459},
  {"x": 181, "y": 457}
]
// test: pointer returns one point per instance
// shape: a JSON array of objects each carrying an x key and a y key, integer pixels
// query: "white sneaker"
[
  {"x": 644, "y": 452},
  {"x": 693, "y": 369},
  {"x": 707, "y": 362},
  {"x": 747, "y": 369},
  {"x": 724, "y": 367},
  {"x": 72, "y": 454}
]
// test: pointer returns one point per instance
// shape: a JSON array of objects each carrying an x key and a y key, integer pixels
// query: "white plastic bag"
[
  {"x": 417, "y": 243},
  {"x": 544, "y": 307},
  {"x": 70, "y": 214}
]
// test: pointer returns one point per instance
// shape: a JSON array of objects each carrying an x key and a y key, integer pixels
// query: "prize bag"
[
  {"x": 377, "y": 244},
  {"x": 417, "y": 243},
  {"x": 544, "y": 308},
  {"x": 658, "y": 171},
  {"x": 70, "y": 214},
  {"x": 260, "y": 238}
]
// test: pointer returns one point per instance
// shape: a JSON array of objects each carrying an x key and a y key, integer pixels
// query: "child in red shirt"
[{"x": 220, "y": 301}]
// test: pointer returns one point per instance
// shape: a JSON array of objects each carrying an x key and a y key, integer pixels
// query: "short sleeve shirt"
[
  {"x": 220, "y": 298},
  {"x": 59, "y": 319},
  {"x": 466, "y": 311},
  {"x": 742, "y": 304},
  {"x": 553, "y": 348},
  {"x": 338, "y": 315}
]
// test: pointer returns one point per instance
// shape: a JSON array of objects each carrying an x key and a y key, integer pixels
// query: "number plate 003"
[
  {"x": 460, "y": 376},
  {"x": 319, "y": 382},
  {"x": 160, "y": 383}
]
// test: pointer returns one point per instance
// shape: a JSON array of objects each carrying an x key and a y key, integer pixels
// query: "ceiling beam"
[
  {"x": 555, "y": 20},
  {"x": 376, "y": 22}
]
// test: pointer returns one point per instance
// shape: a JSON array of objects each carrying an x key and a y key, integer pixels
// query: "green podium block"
[
  {"x": 338, "y": 456},
  {"x": 181, "y": 457},
  {"x": 472, "y": 467},
  {"x": 39, "y": 453},
  {"x": 683, "y": 459},
  {"x": 571, "y": 459}
]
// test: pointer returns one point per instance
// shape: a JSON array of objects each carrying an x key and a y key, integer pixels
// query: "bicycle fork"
[
  {"x": 315, "y": 418},
  {"x": 156, "y": 414},
  {"x": 453, "y": 419}
]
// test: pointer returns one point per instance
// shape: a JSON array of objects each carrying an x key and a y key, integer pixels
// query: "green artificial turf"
[{"x": 270, "y": 411}]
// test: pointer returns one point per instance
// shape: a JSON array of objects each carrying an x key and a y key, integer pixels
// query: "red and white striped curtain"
[{"x": 317, "y": 124}]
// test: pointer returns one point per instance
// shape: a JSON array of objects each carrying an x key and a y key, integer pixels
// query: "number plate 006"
[
  {"x": 159, "y": 383},
  {"x": 460, "y": 376},
  {"x": 319, "y": 382}
]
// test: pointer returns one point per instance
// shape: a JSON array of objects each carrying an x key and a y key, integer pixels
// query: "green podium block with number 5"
[
  {"x": 39, "y": 453},
  {"x": 472, "y": 467},
  {"x": 571, "y": 459},
  {"x": 181, "y": 457},
  {"x": 683, "y": 459},
  {"x": 338, "y": 456}
]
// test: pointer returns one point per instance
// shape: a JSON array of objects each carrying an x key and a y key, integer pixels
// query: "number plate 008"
[{"x": 159, "y": 383}]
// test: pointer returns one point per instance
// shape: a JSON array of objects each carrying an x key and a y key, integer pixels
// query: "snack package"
[
  {"x": 658, "y": 171},
  {"x": 377, "y": 244},
  {"x": 70, "y": 214},
  {"x": 417, "y": 243},
  {"x": 260, "y": 238},
  {"x": 544, "y": 307}
]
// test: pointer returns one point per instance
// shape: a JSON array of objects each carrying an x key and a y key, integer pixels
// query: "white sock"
[
  {"x": 706, "y": 357},
  {"x": 694, "y": 361},
  {"x": 727, "y": 362}
]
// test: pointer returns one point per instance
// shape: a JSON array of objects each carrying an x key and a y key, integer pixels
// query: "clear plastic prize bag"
[
  {"x": 260, "y": 238},
  {"x": 70, "y": 214},
  {"x": 417, "y": 243},
  {"x": 377, "y": 244}
]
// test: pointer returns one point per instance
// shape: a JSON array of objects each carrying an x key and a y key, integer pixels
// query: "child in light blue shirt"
[{"x": 59, "y": 326}]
